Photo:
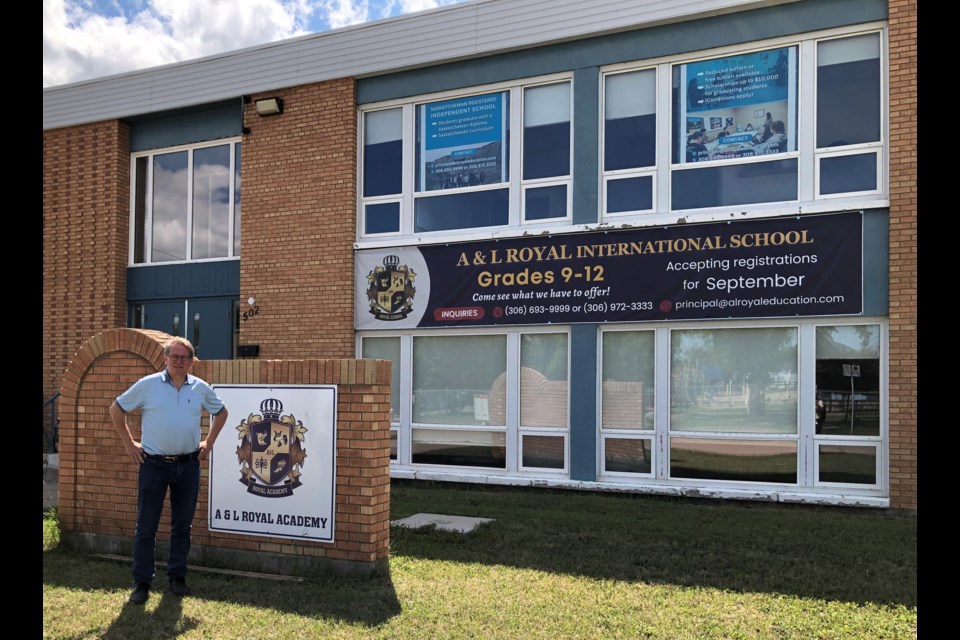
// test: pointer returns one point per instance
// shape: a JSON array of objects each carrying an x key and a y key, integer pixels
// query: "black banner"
[{"x": 799, "y": 266}]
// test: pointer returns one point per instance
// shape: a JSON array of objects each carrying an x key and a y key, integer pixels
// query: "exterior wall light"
[{"x": 269, "y": 106}]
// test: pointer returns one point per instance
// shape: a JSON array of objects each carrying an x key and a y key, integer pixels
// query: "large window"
[
  {"x": 451, "y": 163},
  {"x": 497, "y": 401},
  {"x": 795, "y": 121},
  {"x": 186, "y": 204}
]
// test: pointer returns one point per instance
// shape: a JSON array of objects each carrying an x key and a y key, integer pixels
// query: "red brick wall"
[
  {"x": 298, "y": 223},
  {"x": 86, "y": 193},
  {"x": 903, "y": 253},
  {"x": 97, "y": 487}
]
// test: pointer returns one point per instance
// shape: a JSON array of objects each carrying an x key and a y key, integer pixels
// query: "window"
[
  {"x": 849, "y": 117},
  {"x": 497, "y": 401},
  {"x": 627, "y": 417},
  {"x": 186, "y": 204},
  {"x": 445, "y": 393},
  {"x": 793, "y": 121},
  {"x": 451, "y": 164},
  {"x": 629, "y": 141},
  {"x": 734, "y": 382},
  {"x": 737, "y": 108}
]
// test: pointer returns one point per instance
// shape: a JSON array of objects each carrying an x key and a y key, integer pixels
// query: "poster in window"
[
  {"x": 732, "y": 90},
  {"x": 461, "y": 142}
]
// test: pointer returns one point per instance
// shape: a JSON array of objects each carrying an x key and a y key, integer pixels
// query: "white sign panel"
[{"x": 273, "y": 466}]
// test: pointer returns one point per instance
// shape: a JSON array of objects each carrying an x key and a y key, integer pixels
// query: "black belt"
[{"x": 181, "y": 458}]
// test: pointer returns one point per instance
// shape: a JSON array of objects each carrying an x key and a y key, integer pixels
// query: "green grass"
[{"x": 552, "y": 565}]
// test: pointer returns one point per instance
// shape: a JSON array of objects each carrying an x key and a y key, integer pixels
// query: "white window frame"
[
  {"x": 806, "y": 154},
  {"x": 148, "y": 205},
  {"x": 515, "y": 183}
]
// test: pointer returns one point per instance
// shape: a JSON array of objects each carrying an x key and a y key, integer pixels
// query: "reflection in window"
[
  {"x": 847, "y": 464},
  {"x": 211, "y": 202},
  {"x": 628, "y": 380},
  {"x": 544, "y": 452},
  {"x": 848, "y": 91},
  {"x": 734, "y": 380},
  {"x": 186, "y": 204},
  {"x": 387, "y": 349},
  {"x": 742, "y": 460},
  {"x": 625, "y": 455},
  {"x": 450, "y": 371},
  {"x": 459, "y": 447},
  {"x": 848, "y": 380},
  {"x": 169, "y": 232},
  {"x": 236, "y": 201},
  {"x": 543, "y": 380}
]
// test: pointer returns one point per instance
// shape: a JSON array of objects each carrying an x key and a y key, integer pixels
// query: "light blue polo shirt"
[{"x": 170, "y": 423}]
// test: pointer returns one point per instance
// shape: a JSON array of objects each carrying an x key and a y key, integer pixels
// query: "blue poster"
[
  {"x": 461, "y": 142},
  {"x": 739, "y": 106},
  {"x": 736, "y": 81}
]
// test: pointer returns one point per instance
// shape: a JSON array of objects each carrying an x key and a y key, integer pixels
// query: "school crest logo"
[
  {"x": 390, "y": 290},
  {"x": 271, "y": 451}
]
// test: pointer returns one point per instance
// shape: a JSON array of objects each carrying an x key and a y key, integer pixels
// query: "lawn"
[{"x": 553, "y": 564}]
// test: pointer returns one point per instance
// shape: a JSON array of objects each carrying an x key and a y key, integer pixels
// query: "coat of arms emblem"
[
  {"x": 390, "y": 290},
  {"x": 271, "y": 451}
]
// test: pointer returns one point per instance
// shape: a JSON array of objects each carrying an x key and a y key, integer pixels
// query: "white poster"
[{"x": 273, "y": 466}]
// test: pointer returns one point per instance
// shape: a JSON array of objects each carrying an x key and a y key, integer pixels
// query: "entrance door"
[{"x": 208, "y": 324}]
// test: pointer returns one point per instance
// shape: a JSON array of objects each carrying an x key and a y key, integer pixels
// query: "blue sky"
[{"x": 85, "y": 39}]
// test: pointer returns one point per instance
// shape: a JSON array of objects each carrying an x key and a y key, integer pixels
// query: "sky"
[{"x": 85, "y": 39}]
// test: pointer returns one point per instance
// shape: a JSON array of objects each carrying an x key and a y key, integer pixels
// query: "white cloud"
[
  {"x": 79, "y": 44},
  {"x": 81, "y": 41}
]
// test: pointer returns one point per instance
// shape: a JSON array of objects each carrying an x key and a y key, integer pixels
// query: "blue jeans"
[{"x": 183, "y": 480}]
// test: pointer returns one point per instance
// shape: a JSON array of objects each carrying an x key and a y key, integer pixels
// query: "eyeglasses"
[{"x": 179, "y": 358}]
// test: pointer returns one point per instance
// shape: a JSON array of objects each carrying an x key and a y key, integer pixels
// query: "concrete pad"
[{"x": 461, "y": 524}]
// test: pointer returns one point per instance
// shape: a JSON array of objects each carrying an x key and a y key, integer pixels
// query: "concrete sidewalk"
[{"x": 51, "y": 474}]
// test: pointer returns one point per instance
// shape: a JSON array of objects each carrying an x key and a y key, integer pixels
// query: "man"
[{"x": 168, "y": 455}]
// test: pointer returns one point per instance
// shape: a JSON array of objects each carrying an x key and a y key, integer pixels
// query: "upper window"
[
  {"x": 186, "y": 204},
  {"x": 769, "y": 125},
  {"x": 468, "y": 172}
]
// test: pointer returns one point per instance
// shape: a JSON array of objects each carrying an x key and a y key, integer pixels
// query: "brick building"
[{"x": 634, "y": 247}]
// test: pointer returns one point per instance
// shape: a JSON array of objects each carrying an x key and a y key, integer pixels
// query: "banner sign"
[
  {"x": 800, "y": 266},
  {"x": 262, "y": 481},
  {"x": 461, "y": 142}
]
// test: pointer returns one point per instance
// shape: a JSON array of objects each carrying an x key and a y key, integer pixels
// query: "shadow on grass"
[
  {"x": 834, "y": 553},
  {"x": 328, "y": 598}
]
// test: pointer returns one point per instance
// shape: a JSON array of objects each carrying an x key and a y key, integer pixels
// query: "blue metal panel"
[
  {"x": 586, "y": 104},
  {"x": 876, "y": 262},
  {"x": 583, "y": 402},
  {"x": 694, "y": 35},
  {"x": 219, "y": 278},
  {"x": 186, "y": 126}
]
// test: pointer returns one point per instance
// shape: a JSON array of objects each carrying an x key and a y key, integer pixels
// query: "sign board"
[{"x": 273, "y": 466}]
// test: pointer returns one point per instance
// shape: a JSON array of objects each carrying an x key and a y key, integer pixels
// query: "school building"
[{"x": 620, "y": 245}]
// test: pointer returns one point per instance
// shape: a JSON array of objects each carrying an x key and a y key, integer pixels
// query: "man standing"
[{"x": 169, "y": 455}]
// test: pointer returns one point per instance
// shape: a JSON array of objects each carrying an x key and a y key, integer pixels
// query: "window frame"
[
  {"x": 806, "y": 154},
  {"x": 516, "y": 185},
  {"x": 234, "y": 144}
]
